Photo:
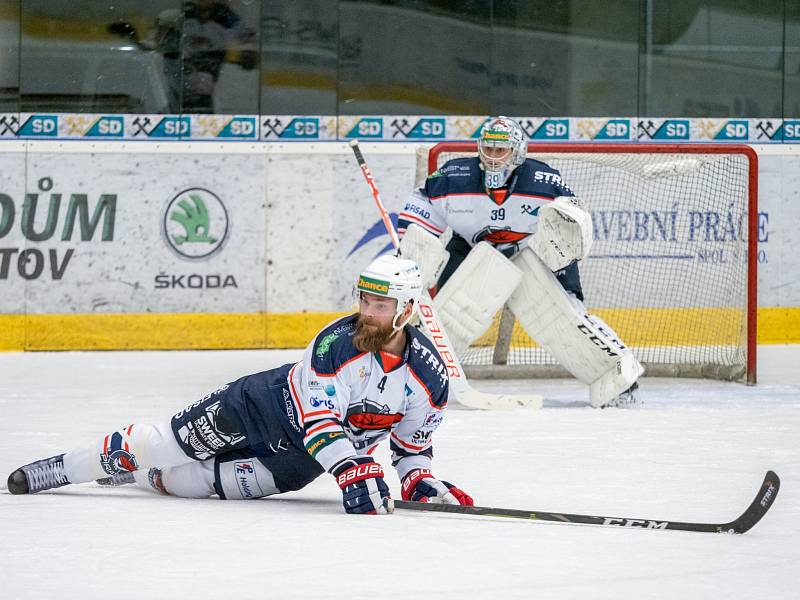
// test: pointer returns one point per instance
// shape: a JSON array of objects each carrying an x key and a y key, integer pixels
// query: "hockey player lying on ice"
[
  {"x": 518, "y": 232},
  {"x": 363, "y": 378}
]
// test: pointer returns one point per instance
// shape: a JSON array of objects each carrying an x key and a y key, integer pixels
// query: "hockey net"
[{"x": 673, "y": 266}]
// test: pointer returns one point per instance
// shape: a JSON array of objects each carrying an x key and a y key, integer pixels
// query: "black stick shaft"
[{"x": 757, "y": 509}]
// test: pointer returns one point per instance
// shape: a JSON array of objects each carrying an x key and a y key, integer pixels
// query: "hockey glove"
[
  {"x": 363, "y": 489},
  {"x": 421, "y": 486}
]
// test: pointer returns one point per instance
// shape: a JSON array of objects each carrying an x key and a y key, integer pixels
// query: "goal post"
[{"x": 673, "y": 266}]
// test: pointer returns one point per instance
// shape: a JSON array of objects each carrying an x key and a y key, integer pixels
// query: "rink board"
[
  {"x": 294, "y": 330},
  {"x": 134, "y": 245}
]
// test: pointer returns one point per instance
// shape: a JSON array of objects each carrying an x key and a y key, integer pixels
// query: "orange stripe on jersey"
[
  {"x": 406, "y": 445},
  {"x": 310, "y": 432},
  {"x": 410, "y": 217},
  {"x": 340, "y": 367},
  {"x": 390, "y": 361},
  {"x": 427, "y": 391},
  {"x": 295, "y": 396},
  {"x": 347, "y": 362},
  {"x": 534, "y": 196},
  {"x": 475, "y": 194},
  {"x": 317, "y": 413}
]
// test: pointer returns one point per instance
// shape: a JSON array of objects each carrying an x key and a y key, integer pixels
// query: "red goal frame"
[{"x": 650, "y": 148}]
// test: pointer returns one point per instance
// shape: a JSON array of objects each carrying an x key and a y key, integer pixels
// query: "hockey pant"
[
  {"x": 202, "y": 450},
  {"x": 236, "y": 475}
]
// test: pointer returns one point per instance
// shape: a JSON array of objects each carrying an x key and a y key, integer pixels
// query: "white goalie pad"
[
  {"x": 563, "y": 233},
  {"x": 427, "y": 251},
  {"x": 583, "y": 344},
  {"x": 474, "y": 293}
]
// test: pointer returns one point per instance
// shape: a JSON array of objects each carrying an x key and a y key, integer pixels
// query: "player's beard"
[{"x": 371, "y": 337}]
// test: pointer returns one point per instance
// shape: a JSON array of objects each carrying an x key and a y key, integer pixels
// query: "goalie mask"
[
  {"x": 393, "y": 277},
  {"x": 501, "y": 148}
]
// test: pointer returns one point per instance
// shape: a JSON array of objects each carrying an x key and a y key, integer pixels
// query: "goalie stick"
[
  {"x": 464, "y": 392},
  {"x": 757, "y": 509}
]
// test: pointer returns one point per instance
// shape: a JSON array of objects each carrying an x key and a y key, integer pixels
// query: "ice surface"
[{"x": 696, "y": 451}]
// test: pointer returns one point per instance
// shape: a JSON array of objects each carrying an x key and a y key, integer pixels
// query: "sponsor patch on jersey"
[
  {"x": 325, "y": 344},
  {"x": 421, "y": 437},
  {"x": 289, "y": 407},
  {"x": 433, "y": 420},
  {"x": 316, "y": 444},
  {"x": 316, "y": 402}
]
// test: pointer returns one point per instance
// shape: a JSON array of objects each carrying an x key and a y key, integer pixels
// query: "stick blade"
[
  {"x": 472, "y": 398},
  {"x": 763, "y": 501}
]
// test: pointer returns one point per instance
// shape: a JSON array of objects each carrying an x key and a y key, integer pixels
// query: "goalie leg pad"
[
  {"x": 426, "y": 250},
  {"x": 584, "y": 345},
  {"x": 469, "y": 300}
]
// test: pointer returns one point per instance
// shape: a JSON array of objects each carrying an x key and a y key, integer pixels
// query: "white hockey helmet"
[
  {"x": 394, "y": 277},
  {"x": 504, "y": 133}
]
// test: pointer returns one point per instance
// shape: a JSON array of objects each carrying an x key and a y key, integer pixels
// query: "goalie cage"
[{"x": 673, "y": 267}]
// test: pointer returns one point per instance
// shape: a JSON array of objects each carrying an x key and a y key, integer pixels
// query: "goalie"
[{"x": 518, "y": 234}]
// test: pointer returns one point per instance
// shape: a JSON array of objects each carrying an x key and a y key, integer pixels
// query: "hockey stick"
[
  {"x": 757, "y": 509},
  {"x": 465, "y": 393}
]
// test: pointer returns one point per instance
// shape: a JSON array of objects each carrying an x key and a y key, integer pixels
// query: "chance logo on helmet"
[
  {"x": 501, "y": 149},
  {"x": 373, "y": 286},
  {"x": 394, "y": 277}
]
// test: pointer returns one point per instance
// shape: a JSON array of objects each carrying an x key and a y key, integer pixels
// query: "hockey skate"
[
  {"x": 627, "y": 399},
  {"x": 38, "y": 476},
  {"x": 125, "y": 478},
  {"x": 154, "y": 481}
]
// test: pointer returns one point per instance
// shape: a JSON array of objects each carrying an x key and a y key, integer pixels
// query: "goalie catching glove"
[
  {"x": 420, "y": 485},
  {"x": 363, "y": 489},
  {"x": 564, "y": 233}
]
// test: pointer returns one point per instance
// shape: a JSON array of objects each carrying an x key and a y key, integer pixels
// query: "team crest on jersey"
[
  {"x": 116, "y": 457},
  {"x": 370, "y": 416},
  {"x": 499, "y": 235}
]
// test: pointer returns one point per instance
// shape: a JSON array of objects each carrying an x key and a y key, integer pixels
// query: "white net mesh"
[{"x": 669, "y": 264}]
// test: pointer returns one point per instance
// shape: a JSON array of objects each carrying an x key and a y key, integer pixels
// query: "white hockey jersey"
[
  {"x": 455, "y": 196},
  {"x": 348, "y": 401}
]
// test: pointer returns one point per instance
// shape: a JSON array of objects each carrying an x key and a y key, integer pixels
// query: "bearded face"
[{"x": 370, "y": 335}]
